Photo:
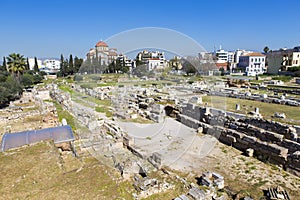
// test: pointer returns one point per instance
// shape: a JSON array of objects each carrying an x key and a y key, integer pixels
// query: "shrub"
[
  {"x": 27, "y": 80},
  {"x": 78, "y": 78}
]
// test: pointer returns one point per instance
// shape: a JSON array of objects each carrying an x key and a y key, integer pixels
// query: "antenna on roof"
[{"x": 220, "y": 46}]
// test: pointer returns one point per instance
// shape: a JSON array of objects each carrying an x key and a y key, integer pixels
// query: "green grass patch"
[
  {"x": 282, "y": 78},
  {"x": 66, "y": 115},
  {"x": 105, "y": 110},
  {"x": 260, "y": 183},
  {"x": 139, "y": 120},
  {"x": 66, "y": 88},
  {"x": 266, "y": 109}
]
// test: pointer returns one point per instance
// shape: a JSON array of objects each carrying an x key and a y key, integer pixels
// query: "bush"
[
  {"x": 10, "y": 91},
  {"x": 27, "y": 80},
  {"x": 78, "y": 78},
  {"x": 37, "y": 78},
  {"x": 294, "y": 69},
  {"x": 42, "y": 73},
  {"x": 2, "y": 78}
]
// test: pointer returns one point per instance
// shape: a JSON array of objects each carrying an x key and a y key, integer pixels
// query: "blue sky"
[{"x": 48, "y": 28}]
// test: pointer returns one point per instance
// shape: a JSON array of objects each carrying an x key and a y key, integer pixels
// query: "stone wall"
[{"x": 271, "y": 141}]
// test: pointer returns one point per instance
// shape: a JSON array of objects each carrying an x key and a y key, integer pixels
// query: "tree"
[
  {"x": 175, "y": 63},
  {"x": 77, "y": 63},
  {"x": 63, "y": 67},
  {"x": 27, "y": 80},
  {"x": 36, "y": 66},
  {"x": 27, "y": 65},
  {"x": 16, "y": 65},
  {"x": 71, "y": 65},
  {"x": 266, "y": 49},
  {"x": 66, "y": 67},
  {"x": 189, "y": 66},
  {"x": 4, "y": 65}
]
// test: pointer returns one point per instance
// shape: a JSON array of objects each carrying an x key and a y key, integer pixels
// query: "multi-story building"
[
  {"x": 104, "y": 54},
  {"x": 124, "y": 59},
  {"x": 222, "y": 56},
  {"x": 281, "y": 60},
  {"x": 153, "y": 59},
  {"x": 52, "y": 64},
  {"x": 206, "y": 57},
  {"x": 230, "y": 57},
  {"x": 252, "y": 63},
  {"x": 239, "y": 53}
]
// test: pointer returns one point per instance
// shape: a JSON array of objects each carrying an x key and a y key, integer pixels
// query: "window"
[
  {"x": 262, "y": 59},
  {"x": 251, "y": 59}
]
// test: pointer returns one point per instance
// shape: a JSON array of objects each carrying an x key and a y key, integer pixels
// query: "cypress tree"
[
  {"x": 66, "y": 67},
  {"x": 4, "y": 65},
  {"x": 71, "y": 65},
  {"x": 36, "y": 66},
  {"x": 27, "y": 64},
  {"x": 61, "y": 70}
]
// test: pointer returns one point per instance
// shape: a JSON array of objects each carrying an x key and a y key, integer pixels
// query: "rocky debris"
[
  {"x": 196, "y": 100},
  {"x": 237, "y": 107},
  {"x": 155, "y": 159},
  {"x": 269, "y": 140},
  {"x": 143, "y": 183},
  {"x": 212, "y": 179},
  {"x": 197, "y": 194},
  {"x": 97, "y": 92},
  {"x": 250, "y": 152},
  {"x": 146, "y": 186},
  {"x": 66, "y": 146},
  {"x": 279, "y": 115}
]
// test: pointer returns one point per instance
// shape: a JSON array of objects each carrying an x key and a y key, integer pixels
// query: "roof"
[
  {"x": 101, "y": 44},
  {"x": 111, "y": 53},
  {"x": 254, "y": 54},
  {"x": 220, "y": 65},
  {"x": 154, "y": 59},
  {"x": 58, "y": 134}
]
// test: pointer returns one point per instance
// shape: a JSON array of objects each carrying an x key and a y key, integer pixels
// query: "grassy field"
[
  {"x": 38, "y": 172},
  {"x": 266, "y": 109}
]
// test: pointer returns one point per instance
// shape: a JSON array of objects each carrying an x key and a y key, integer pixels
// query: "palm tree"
[
  {"x": 16, "y": 64},
  {"x": 266, "y": 49}
]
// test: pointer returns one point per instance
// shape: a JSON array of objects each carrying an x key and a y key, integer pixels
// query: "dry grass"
[
  {"x": 266, "y": 109},
  {"x": 38, "y": 172}
]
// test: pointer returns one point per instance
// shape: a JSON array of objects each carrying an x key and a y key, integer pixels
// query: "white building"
[
  {"x": 222, "y": 56},
  {"x": 153, "y": 63},
  {"x": 252, "y": 63},
  {"x": 52, "y": 64},
  {"x": 230, "y": 56},
  {"x": 239, "y": 53},
  {"x": 153, "y": 59},
  {"x": 31, "y": 63}
]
